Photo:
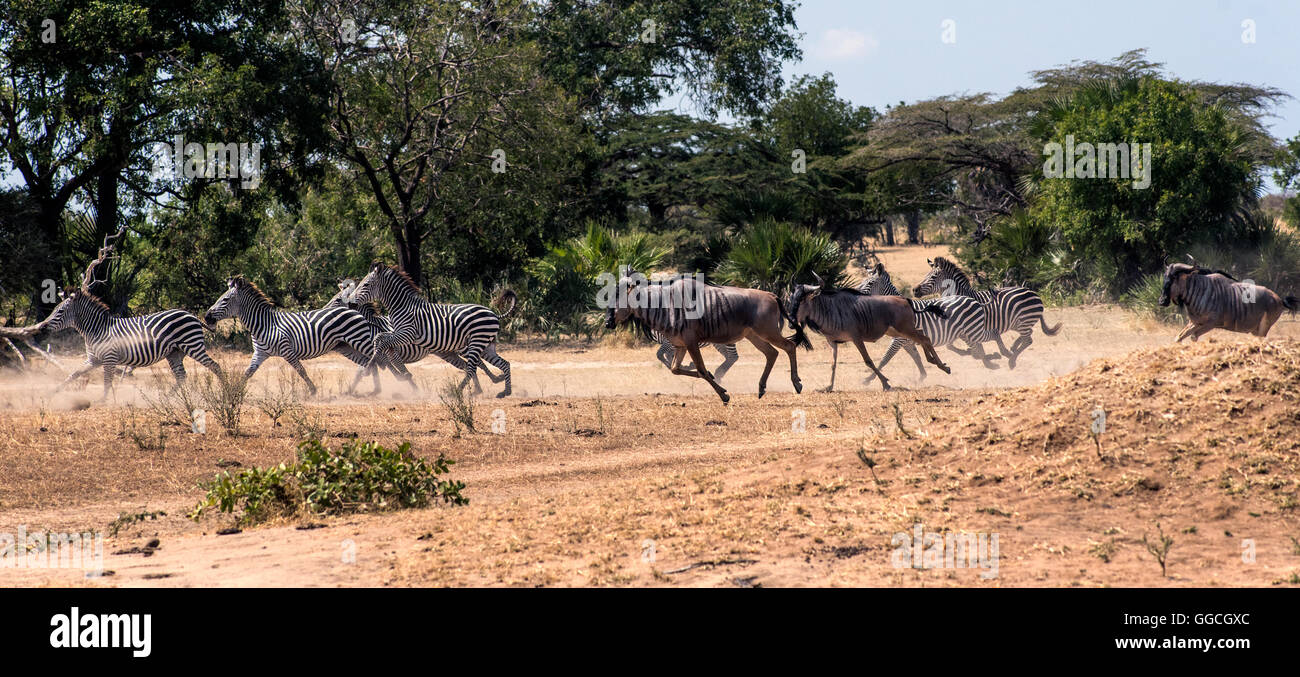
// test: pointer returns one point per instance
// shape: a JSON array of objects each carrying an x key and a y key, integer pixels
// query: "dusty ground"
[{"x": 611, "y": 471}]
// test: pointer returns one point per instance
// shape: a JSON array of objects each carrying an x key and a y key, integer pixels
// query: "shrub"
[
  {"x": 359, "y": 477},
  {"x": 773, "y": 255}
]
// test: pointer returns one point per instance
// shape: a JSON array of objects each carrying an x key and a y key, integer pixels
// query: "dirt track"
[{"x": 613, "y": 472}]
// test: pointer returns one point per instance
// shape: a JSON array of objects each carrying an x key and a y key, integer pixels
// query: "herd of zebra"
[{"x": 465, "y": 335}]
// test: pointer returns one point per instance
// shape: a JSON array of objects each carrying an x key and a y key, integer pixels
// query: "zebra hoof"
[
  {"x": 945, "y": 369},
  {"x": 885, "y": 385},
  {"x": 503, "y": 393}
]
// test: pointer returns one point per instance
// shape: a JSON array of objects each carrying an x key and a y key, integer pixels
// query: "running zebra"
[
  {"x": 966, "y": 320},
  {"x": 1009, "y": 308},
  {"x": 297, "y": 336},
  {"x": 114, "y": 342},
  {"x": 409, "y": 353},
  {"x": 467, "y": 330},
  {"x": 1215, "y": 300},
  {"x": 667, "y": 350}
]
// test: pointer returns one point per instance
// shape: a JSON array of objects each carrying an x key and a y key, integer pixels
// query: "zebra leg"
[
  {"x": 1002, "y": 348},
  {"x": 729, "y": 357},
  {"x": 109, "y": 370},
  {"x": 200, "y": 355},
  {"x": 504, "y": 366},
  {"x": 977, "y": 351},
  {"x": 665, "y": 353},
  {"x": 835, "y": 360},
  {"x": 76, "y": 375},
  {"x": 177, "y": 362},
  {"x": 1181, "y": 335},
  {"x": 884, "y": 382},
  {"x": 769, "y": 354},
  {"x": 911, "y": 352},
  {"x": 1021, "y": 344},
  {"x": 258, "y": 359},
  {"x": 473, "y": 357},
  {"x": 297, "y": 366}
]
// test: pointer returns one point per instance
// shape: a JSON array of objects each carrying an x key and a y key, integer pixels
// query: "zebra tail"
[
  {"x": 918, "y": 307},
  {"x": 1050, "y": 331},
  {"x": 509, "y": 296},
  {"x": 799, "y": 337}
]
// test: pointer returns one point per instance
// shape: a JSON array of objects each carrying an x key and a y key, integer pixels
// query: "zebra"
[
  {"x": 848, "y": 314},
  {"x": 297, "y": 336},
  {"x": 1214, "y": 300},
  {"x": 410, "y": 353},
  {"x": 691, "y": 313},
  {"x": 467, "y": 330},
  {"x": 114, "y": 342},
  {"x": 666, "y": 351},
  {"x": 1008, "y": 308},
  {"x": 966, "y": 320}
]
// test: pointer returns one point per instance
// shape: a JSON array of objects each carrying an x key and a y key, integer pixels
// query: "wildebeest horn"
[
  {"x": 1191, "y": 260},
  {"x": 818, "y": 278}
]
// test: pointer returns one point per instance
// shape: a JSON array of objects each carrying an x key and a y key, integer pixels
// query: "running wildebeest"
[
  {"x": 848, "y": 314},
  {"x": 1214, "y": 300},
  {"x": 691, "y": 313}
]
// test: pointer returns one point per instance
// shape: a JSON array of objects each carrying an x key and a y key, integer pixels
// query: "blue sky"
[
  {"x": 884, "y": 52},
  {"x": 881, "y": 52}
]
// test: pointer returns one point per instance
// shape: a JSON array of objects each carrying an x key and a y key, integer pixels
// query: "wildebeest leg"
[
  {"x": 729, "y": 357},
  {"x": 1266, "y": 322},
  {"x": 1200, "y": 330},
  {"x": 884, "y": 382},
  {"x": 774, "y": 337},
  {"x": 921, "y": 340},
  {"x": 697, "y": 372},
  {"x": 769, "y": 355},
  {"x": 694, "y": 350},
  {"x": 835, "y": 359}
]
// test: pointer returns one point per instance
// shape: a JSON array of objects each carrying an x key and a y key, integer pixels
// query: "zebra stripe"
[
  {"x": 667, "y": 350},
  {"x": 467, "y": 330},
  {"x": 966, "y": 320},
  {"x": 405, "y": 354},
  {"x": 1015, "y": 309},
  {"x": 297, "y": 336},
  {"x": 113, "y": 342}
]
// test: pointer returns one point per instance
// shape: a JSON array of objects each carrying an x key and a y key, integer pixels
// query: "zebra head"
[
  {"x": 878, "y": 282},
  {"x": 1175, "y": 283},
  {"x": 941, "y": 270},
  {"x": 64, "y": 315},
  {"x": 228, "y": 304},
  {"x": 381, "y": 285},
  {"x": 347, "y": 286}
]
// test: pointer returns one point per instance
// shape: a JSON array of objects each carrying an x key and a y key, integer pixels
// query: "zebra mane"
[
  {"x": 957, "y": 274},
  {"x": 404, "y": 277},
  {"x": 69, "y": 291},
  {"x": 244, "y": 283}
]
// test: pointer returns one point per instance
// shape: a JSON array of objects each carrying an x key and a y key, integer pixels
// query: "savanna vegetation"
[{"x": 480, "y": 145}]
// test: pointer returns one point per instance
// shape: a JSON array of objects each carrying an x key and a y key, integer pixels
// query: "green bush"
[
  {"x": 1143, "y": 298},
  {"x": 774, "y": 255},
  {"x": 359, "y": 477}
]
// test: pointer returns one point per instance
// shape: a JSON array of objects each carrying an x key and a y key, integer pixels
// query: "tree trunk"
[
  {"x": 914, "y": 227},
  {"x": 50, "y": 221},
  {"x": 889, "y": 232},
  {"x": 408, "y": 249},
  {"x": 106, "y": 216}
]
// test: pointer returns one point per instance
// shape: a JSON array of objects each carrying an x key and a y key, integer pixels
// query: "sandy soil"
[{"x": 611, "y": 471}]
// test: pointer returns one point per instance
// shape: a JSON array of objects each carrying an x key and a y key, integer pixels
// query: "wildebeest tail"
[
  {"x": 918, "y": 307},
  {"x": 799, "y": 337},
  {"x": 507, "y": 296},
  {"x": 1291, "y": 303}
]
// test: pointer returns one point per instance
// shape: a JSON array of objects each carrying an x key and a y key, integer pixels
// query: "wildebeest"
[
  {"x": 1213, "y": 300},
  {"x": 848, "y": 314},
  {"x": 690, "y": 313}
]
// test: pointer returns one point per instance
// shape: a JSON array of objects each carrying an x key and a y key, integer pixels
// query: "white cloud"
[{"x": 839, "y": 43}]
